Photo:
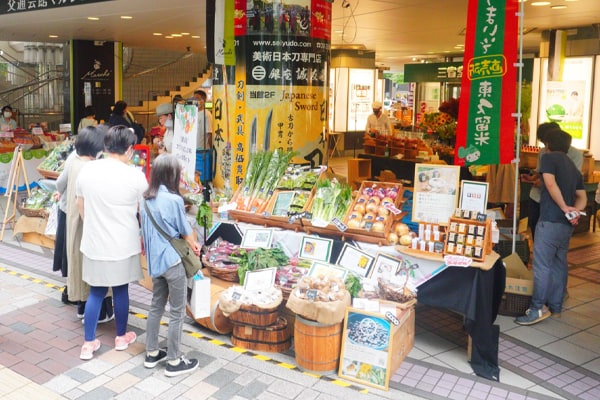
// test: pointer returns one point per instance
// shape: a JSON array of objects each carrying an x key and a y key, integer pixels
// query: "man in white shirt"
[
  {"x": 204, "y": 136},
  {"x": 378, "y": 123}
]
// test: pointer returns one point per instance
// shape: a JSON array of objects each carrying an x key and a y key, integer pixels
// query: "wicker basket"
[
  {"x": 229, "y": 275},
  {"x": 33, "y": 212},
  {"x": 513, "y": 305}
]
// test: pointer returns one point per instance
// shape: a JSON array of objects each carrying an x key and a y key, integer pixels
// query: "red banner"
[{"x": 486, "y": 126}]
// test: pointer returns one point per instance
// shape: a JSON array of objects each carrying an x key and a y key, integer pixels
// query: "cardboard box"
[{"x": 519, "y": 280}]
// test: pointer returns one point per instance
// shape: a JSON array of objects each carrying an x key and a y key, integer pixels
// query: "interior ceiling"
[{"x": 399, "y": 31}]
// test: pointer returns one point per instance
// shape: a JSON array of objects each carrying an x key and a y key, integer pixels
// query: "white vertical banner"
[
  {"x": 184, "y": 140},
  {"x": 219, "y": 32}
]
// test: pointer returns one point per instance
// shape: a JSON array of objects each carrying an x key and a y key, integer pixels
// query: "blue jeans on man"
[{"x": 550, "y": 268}]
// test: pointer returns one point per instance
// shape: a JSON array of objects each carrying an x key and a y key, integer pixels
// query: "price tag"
[
  {"x": 339, "y": 224},
  {"x": 392, "y": 318},
  {"x": 37, "y": 130},
  {"x": 368, "y": 226},
  {"x": 392, "y": 208},
  {"x": 307, "y": 215},
  {"x": 311, "y": 294},
  {"x": 481, "y": 217},
  {"x": 236, "y": 296}
]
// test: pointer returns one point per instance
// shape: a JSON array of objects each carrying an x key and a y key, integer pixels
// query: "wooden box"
[
  {"x": 403, "y": 338},
  {"x": 364, "y": 232},
  {"x": 273, "y": 338},
  {"x": 359, "y": 169},
  {"x": 465, "y": 236},
  {"x": 38, "y": 239}
]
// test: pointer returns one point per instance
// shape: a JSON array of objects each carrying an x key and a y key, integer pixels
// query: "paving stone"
[{"x": 252, "y": 390}]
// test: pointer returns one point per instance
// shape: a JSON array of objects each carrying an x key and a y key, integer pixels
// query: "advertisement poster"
[
  {"x": 184, "y": 139},
  {"x": 366, "y": 348},
  {"x": 361, "y": 89},
  {"x": 275, "y": 96},
  {"x": 473, "y": 196},
  {"x": 435, "y": 192},
  {"x": 568, "y": 102}
]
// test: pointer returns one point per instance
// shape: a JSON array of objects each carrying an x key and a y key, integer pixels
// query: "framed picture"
[
  {"x": 355, "y": 260},
  {"x": 315, "y": 248},
  {"x": 473, "y": 196},
  {"x": 435, "y": 192},
  {"x": 257, "y": 238},
  {"x": 366, "y": 348},
  {"x": 260, "y": 279},
  {"x": 384, "y": 266},
  {"x": 320, "y": 268},
  {"x": 282, "y": 203}
]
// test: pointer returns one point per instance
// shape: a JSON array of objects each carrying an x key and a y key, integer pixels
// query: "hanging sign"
[
  {"x": 485, "y": 130},
  {"x": 11, "y": 7}
]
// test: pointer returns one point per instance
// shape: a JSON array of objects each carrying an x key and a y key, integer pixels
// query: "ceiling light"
[
  {"x": 175, "y": 35},
  {"x": 53, "y": 36},
  {"x": 157, "y": 34},
  {"x": 560, "y": 7},
  {"x": 195, "y": 37},
  {"x": 540, "y": 3},
  {"x": 93, "y": 18},
  {"x": 184, "y": 33},
  {"x": 168, "y": 37},
  {"x": 126, "y": 17}
]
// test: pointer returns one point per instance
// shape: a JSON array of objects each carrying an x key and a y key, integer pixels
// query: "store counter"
[{"x": 403, "y": 169}]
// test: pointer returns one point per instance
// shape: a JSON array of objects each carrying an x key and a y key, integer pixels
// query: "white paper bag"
[
  {"x": 200, "y": 299},
  {"x": 52, "y": 223}
]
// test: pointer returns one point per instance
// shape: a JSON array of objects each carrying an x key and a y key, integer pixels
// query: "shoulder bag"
[{"x": 190, "y": 261}]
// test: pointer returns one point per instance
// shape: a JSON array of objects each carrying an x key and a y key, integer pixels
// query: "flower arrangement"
[{"x": 442, "y": 123}]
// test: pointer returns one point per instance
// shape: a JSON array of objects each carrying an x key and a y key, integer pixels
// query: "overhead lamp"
[
  {"x": 126, "y": 17},
  {"x": 93, "y": 18}
]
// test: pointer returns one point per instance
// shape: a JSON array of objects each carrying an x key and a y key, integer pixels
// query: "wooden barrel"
[
  {"x": 289, "y": 315},
  {"x": 317, "y": 346},
  {"x": 274, "y": 338},
  {"x": 217, "y": 321}
]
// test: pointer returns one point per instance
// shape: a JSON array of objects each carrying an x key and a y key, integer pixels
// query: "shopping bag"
[
  {"x": 200, "y": 298},
  {"x": 52, "y": 222}
]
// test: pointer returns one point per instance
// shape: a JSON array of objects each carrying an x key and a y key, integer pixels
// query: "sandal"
[
  {"x": 88, "y": 349},
  {"x": 123, "y": 342}
]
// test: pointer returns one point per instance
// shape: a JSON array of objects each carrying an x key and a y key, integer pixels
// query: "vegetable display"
[
  {"x": 57, "y": 157},
  {"x": 262, "y": 176},
  {"x": 252, "y": 260},
  {"x": 331, "y": 200}
]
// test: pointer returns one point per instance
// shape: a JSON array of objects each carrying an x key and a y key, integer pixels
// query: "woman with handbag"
[
  {"x": 108, "y": 196},
  {"x": 163, "y": 217}
]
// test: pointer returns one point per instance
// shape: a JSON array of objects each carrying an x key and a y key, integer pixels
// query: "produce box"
[
  {"x": 369, "y": 219},
  {"x": 519, "y": 287}
]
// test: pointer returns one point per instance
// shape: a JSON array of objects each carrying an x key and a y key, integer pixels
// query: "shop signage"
[
  {"x": 15, "y": 6},
  {"x": 485, "y": 130}
]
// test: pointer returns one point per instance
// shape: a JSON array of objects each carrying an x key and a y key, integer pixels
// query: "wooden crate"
[
  {"x": 480, "y": 239},
  {"x": 364, "y": 234},
  {"x": 38, "y": 239},
  {"x": 403, "y": 338}
]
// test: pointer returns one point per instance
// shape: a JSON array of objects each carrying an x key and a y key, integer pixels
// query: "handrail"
[{"x": 156, "y": 68}]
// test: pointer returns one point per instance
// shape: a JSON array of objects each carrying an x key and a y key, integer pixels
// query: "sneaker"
[
  {"x": 532, "y": 317},
  {"x": 183, "y": 367},
  {"x": 123, "y": 342},
  {"x": 107, "y": 318},
  {"x": 80, "y": 309},
  {"x": 152, "y": 361},
  {"x": 88, "y": 349}
]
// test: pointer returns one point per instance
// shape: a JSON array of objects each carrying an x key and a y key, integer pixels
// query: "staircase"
[{"x": 155, "y": 77}]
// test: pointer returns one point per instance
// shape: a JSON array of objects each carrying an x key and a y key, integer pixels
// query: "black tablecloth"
[{"x": 476, "y": 294}]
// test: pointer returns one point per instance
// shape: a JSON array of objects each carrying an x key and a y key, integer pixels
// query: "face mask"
[
  {"x": 169, "y": 123},
  {"x": 7, "y": 114}
]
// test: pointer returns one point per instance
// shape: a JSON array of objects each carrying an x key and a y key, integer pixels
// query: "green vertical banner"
[{"x": 486, "y": 127}]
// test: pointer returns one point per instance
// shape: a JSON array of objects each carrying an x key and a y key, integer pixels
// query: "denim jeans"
[
  {"x": 550, "y": 269},
  {"x": 171, "y": 285}
]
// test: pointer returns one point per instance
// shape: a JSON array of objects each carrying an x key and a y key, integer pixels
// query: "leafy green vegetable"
[
  {"x": 258, "y": 259},
  {"x": 204, "y": 215},
  {"x": 353, "y": 285}
]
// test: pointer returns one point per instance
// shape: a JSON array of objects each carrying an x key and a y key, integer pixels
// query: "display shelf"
[{"x": 359, "y": 169}]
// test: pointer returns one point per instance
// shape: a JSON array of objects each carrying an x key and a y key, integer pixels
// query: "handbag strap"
[{"x": 158, "y": 228}]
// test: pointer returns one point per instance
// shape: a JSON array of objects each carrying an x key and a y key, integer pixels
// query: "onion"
[
  {"x": 363, "y": 199},
  {"x": 387, "y": 200},
  {"x": 360, "y": 208},
  {"x": 355, "y": 215},
  {"x": 369, "y": 216},
  {"x": 378, "y": 226},
  {"x": 393, "y": 238},
  {"x": 405, "y": 240},
  {"x": 401, "y": 229},
  {"x": 354, "y": 223},
  {"x": 371, "y": 207},
  {"x": 382, "y": 211}
]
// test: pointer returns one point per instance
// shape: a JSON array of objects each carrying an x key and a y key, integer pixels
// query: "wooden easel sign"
[{"x": 17, "y": 166}]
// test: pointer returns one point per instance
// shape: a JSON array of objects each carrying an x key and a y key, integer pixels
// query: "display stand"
[{"x": 17, "y": 167}]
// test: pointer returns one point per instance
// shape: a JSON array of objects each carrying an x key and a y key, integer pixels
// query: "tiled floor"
[{"x": 40, "y": 339}]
